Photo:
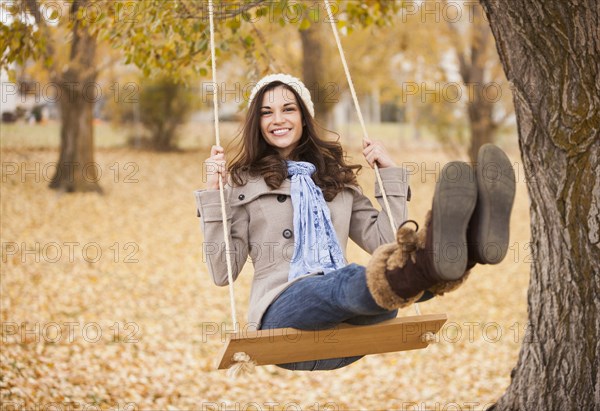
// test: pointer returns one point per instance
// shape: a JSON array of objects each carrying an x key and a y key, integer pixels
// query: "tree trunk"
[
  {"x": 481, "y": 126},
  {"x": 76, "y": 170},
  {"x": 313, "y": 69},
  {"x": 164, "y": 136},
  {"x": 473, "y": 67},
  {"x": 549, "y": 50}
]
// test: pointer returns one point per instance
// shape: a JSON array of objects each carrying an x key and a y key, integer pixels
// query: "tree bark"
[
  {"x": 549, "y": 50},
  {"x": 76, "y": 170}
]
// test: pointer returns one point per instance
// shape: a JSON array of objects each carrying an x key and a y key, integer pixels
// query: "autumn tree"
[
  {"x": 76, "y": 82},
  {"x": 550, "y": 51},
  {"x": 478, "y": 67},
  {"x": 453, "y": 68},
  {"x": 159, "y": 37},
  {"x": 320, "y": 63}
]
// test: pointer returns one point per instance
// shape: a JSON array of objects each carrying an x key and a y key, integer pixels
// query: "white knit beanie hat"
[{"x": 291, "y": 81}]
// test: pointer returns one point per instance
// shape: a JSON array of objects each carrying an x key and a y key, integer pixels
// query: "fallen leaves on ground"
[{"x": 106, "y": 303}]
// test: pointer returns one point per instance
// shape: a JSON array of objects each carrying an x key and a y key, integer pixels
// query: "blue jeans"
[{"x": 322, "y": 302}]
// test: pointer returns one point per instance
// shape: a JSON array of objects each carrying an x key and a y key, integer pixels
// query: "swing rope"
[
  {"x": 361, "y": 120},
  {"x": 218, "y": 141},
  {"x": 359, "y": 112},
  {"x": 243, "y": 364}
]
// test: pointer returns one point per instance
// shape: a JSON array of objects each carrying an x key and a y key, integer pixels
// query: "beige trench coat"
[{"x": 261, "y": 227}]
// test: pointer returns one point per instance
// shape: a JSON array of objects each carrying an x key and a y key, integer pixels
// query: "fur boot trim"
[
  {"x": 388, "y": 257},
  {"x": 422, "y": 234},
  {"x": 447, "y": 286}
]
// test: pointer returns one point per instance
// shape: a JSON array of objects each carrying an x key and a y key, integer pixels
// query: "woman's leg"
[
  {"x": 398, "y": 274},
  {"x": 322, "y": 302},
  {"x": 468, "y": 224},
  {"x": 370, "y": 319}
]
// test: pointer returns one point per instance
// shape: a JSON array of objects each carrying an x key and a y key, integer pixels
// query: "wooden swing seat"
[{"x": 285, "y": 345}]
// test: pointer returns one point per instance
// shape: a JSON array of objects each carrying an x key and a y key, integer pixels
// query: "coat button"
[
  {"x": 241, "y": 197},
  {"x": 281, "y": 198},
  {"x": 287, "y": 233}
]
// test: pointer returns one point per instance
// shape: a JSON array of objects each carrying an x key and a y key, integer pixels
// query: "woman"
[{"x": 293, "y": 202}]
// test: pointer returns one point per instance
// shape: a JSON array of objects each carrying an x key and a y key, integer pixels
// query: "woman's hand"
[
  {"x": 374, "y": 152},
  {"x": 213, "y": 166}
]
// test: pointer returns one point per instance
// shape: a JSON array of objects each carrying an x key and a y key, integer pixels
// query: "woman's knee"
[{"x": 357, "y": 268}]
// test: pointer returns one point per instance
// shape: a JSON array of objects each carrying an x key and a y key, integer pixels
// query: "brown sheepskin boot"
[{"x": 434, "y": 258}]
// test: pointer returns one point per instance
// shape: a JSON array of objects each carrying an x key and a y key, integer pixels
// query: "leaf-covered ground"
[{"x": 106, "y": 302}]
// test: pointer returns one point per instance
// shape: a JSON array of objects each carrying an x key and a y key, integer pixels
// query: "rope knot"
[
  {"x": 428, "y": 337},
  {"x": 243, "y": 365}
]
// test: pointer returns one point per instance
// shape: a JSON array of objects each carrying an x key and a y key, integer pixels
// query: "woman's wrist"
[
  {"x": 212, "y": 187},
  {"x": 387, "y": 165}
]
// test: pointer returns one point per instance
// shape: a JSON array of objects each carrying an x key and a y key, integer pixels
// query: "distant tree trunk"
[
  {"x": 375, "y": 105},
  {"x": 76, "y": 170},
  {"x": 313, "y": 69},
  {"x": 549, "y": 50},
  {"x": 481, "y": 126},
  {"x": 473, "y": 69}
]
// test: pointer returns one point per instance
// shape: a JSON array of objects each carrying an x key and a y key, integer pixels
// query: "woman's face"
[{"x": 281, "y": 120}]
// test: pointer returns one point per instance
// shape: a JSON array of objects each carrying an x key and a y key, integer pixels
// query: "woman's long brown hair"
[{"x": 256, "y": 157}]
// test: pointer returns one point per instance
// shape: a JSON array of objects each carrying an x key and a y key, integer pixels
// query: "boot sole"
[
  {"x": 496, "y": 188},
  {"x": 453, "y": 204}
]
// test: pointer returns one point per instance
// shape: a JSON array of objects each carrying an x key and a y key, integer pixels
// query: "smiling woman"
[
  {"x": 280, "y": 126},
  {"x": 293, "y": 203},
  {"x": 281, "y": 120}
]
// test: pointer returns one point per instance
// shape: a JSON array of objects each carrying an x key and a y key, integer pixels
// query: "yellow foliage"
[{"x": 139, "y": 313}]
